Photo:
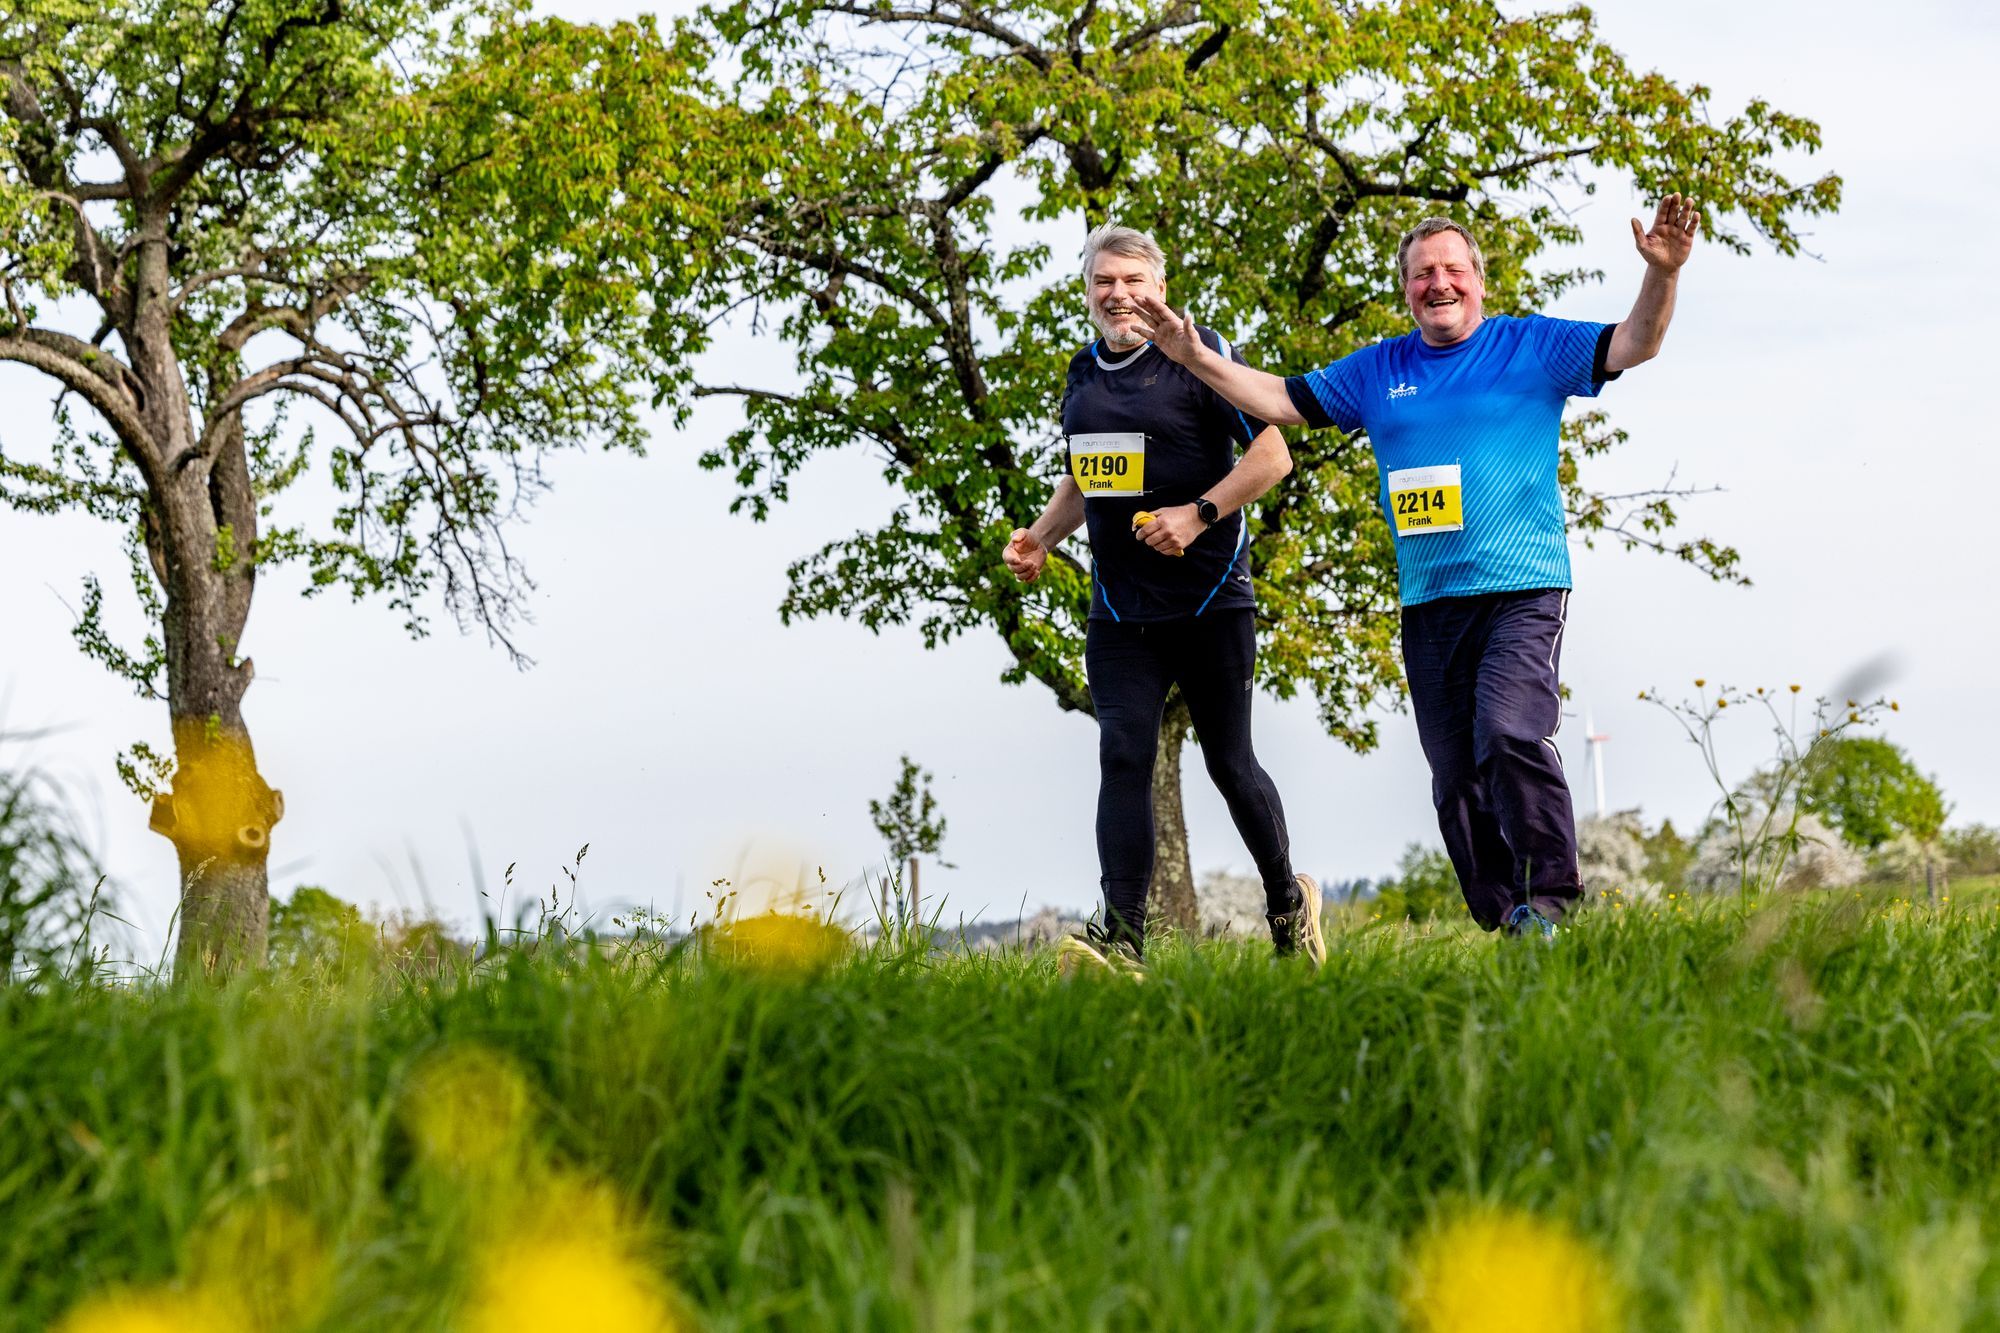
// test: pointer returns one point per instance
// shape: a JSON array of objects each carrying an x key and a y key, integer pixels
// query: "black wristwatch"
[{"x": 1205, "y": 509}]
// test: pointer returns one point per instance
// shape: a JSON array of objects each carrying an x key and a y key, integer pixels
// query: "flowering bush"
[{"x": 1611, "y": 856}]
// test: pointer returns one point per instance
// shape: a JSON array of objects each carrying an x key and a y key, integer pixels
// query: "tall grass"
[{"x": 1789, "y": 1120}]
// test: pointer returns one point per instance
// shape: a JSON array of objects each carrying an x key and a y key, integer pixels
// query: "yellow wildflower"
[
  {"x": 566, "y": 1286},
  {"x": 466, "y": 1109},
  {"x": 781, "y": 942},
  {"x": 269, "y": 1259},
  {"x": 568, "y": 1261},
  {"x": 1503, "y": 1271}
]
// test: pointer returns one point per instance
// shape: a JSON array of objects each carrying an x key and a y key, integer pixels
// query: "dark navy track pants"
[
  {"x": 1212, "y": 657},
  {"x": 1483, "y": 683}
]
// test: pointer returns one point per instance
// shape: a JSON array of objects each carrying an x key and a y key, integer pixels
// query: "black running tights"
[{"x": 1131, "y": 668}]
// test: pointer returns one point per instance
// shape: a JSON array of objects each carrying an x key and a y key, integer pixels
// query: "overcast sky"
[{"x": 677, "y": 728}]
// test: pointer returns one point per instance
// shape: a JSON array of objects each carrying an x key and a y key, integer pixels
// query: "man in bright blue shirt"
[{"x": 1465, "y": 416}]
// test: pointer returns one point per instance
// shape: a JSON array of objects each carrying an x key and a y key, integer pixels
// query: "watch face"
[{"x": 1207, "y": 510}]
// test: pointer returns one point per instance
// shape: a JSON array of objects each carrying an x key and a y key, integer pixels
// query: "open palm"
[
  {"x": 1174, "y": 334},
  {"x": 1671, "y": 239}
]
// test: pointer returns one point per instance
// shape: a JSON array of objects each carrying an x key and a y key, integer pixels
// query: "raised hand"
[
  {"x": 1671, "y": 240},
  {"x": 1173, "y": 334},
  {"x": 1024, "y": 555}
]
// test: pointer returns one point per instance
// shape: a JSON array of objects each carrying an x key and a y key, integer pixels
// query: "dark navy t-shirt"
[{"x": 1191, "y": 435}]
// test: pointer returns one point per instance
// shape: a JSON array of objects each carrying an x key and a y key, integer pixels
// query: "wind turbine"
[{"x": 1596, "y": 740}]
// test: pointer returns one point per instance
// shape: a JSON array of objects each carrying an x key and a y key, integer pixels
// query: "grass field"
[{"x": 1682, "y": 1118}]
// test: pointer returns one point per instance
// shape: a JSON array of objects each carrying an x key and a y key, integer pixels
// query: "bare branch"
[
  {"x": 1210, "y": 47},
  {"x": 296, "y": 321},
  {"x": 897, "y": 445},
  {"x": 1180, "y": 16},
  {"x": 76, "y": 365},
  {"x": 112, "y": 133},
  {"x": 964, "y": 21},
  {"x": 831, "y": 263},
  {"x": 1538, "y": 159},
  {"x": 1026, "y": 138},
  {"x": 45, "y": 171}
]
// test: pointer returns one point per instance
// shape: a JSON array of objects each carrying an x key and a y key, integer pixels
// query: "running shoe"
[
  {"x": 1298, "y": 931},
  {"x": 1097, "y": 951},
  {"x": 1525, "y": 920}
]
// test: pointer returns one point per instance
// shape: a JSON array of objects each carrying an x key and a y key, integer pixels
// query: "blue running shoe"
[{"x": 1525, "y": 920}]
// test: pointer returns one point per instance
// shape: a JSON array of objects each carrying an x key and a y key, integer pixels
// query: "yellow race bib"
[
  {"x": 1108, "y": 464},
  {"x": 1426, "y": 500}
]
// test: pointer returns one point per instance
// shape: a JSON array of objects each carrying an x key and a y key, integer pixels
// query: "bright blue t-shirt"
[{"x": 1490, "y": 405}]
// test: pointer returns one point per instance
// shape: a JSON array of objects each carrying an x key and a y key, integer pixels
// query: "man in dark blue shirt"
[
  {"x": 1465, "y": 416},
  {"x": 1154, "y": 474}
]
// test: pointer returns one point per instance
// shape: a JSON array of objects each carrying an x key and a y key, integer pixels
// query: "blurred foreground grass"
[{"x": 1672, "y": 1119}]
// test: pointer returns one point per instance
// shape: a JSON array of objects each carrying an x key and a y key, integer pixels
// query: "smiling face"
[
  {"x": 1443, "y": 287},
  {"x": 1108, "y": 290}
]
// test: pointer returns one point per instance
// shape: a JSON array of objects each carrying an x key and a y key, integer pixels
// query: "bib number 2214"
[{"x": 1426, "y": 500}]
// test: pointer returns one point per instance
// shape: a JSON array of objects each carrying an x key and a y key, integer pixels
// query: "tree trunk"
[
  {"x": 202, "y": 539},
  {"x": 1170, "y": 897},
  {"x": 218, "y": 815}
]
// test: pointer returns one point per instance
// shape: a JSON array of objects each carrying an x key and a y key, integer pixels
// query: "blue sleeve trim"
[{"x": 1307, "y": 402}]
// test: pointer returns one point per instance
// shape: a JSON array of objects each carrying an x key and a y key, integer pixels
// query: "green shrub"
[{"x": 1424, "y": 886}]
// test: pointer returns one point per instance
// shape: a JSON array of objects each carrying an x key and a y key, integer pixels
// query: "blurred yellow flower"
[
  {"x": 1504, "y": 1271},
  {"x": 269, "y": 1260},
  {"x": 1699, "y": 682},
  {"x": 569, "y": 1261},
  {"x": 156, "y": 1311},
  {"x": 566, "y": 1286},
  {"x": 781, "y": 942},
  {"x": 466, "y": 1108}
]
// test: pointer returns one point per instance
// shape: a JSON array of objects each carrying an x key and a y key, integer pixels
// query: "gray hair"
[
  {"x": 1113, "y": 239},
  {"x": 1436, "y": 227}
]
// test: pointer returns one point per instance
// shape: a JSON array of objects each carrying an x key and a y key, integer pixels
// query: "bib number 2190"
[{"x": 1109, "y": 463}]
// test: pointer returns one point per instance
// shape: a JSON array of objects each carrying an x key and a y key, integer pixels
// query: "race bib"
[
  {"x": 1424, "y": 500},
  {"x": 1107, "y": 464}
]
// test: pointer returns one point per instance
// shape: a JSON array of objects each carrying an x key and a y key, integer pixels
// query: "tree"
[
  {"x": 1424, "y": 885},
  {"x": 1973, "y": 849},
  {"x": 1278, "y": 151},
  {"x": 910, "y": 823},
  {"x": 432, "y": 226},
  {"x": 1668, "y": 857},
  {"x": 1869, "y": 791}
]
